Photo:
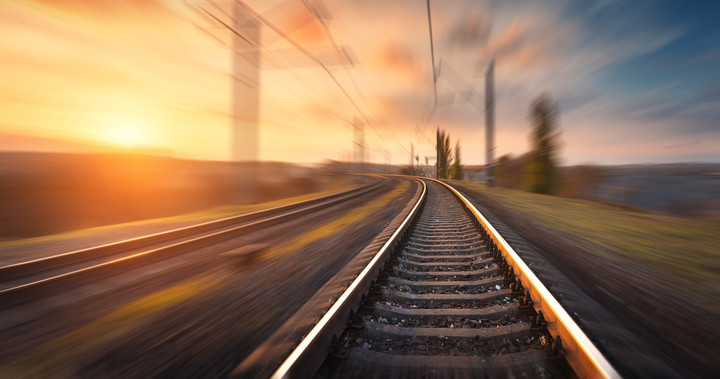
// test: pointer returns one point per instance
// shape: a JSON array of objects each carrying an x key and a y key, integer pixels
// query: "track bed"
[{"x": 445, "y": 306}]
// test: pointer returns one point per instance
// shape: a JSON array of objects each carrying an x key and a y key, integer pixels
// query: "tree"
[
  {"x": 509, "y": 171},
  {"x": 456, "y": 171},
  {"x": 541, "y": 168},
  {"x": 444, "y": 154},
  {"x": 408, "y": 170}
]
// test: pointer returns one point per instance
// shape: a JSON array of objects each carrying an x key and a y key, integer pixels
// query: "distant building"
[{"x": 475, "y": 173}]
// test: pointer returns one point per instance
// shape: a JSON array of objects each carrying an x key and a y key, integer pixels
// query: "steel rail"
[
  {"x": 296, "y": 364},
  {"x": 16, "y": 294},
  {"x": 34, "y": 266},
  {"x": 582, "y": 355}
]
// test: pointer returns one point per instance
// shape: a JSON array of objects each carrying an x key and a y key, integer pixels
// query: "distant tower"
[
  {"x": 359, "y": 144},
  {"x": 490, "y": 122},
  {"x": 412, "y": 154},
  {"x": 437, "y": 153},
  {"x": 246, "y": 86}
]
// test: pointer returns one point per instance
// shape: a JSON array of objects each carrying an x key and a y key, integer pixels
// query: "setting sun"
[{"x": 127, "y": 133}]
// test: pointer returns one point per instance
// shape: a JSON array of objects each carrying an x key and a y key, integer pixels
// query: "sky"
[{"x": 634, "y": 81}]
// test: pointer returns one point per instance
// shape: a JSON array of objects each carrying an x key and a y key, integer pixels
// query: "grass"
[
  {"x": 687, "y": 250},
  {"x": 57, "y": 357},
  {"x": 334, "y": 186},
  {"x": 354, "y": 216}
]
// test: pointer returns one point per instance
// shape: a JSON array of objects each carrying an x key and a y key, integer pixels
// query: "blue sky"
[
  {"x": 654, "y": 87},
  {"x": 635, "y": 81},
  {"x": 689, "y": 64},
  {"x": 678, "y": 79}
]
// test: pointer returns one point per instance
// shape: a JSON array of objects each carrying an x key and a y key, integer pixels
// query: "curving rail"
[
  {"x": 577, "y": 349},
  {"x": 303, "y": 361},
  {"x": 585, "y": 359}
]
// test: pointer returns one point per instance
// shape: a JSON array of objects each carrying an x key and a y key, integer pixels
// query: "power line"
[
  {"x": 229, "y": 28},
  {"x": 305, "y": 52},
  {"x": 305, "y": 98},
  {"x": 313, "y": 58},
  {"x": 432, "y": 52},
  {"x": 340, "y": 53},
  {"x": 212, "y": 18}
]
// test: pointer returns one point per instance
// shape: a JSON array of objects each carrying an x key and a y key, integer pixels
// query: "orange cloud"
[
  {"x": 398, "y": 57},
  {"x": 306, "y": 30},
  {"x": 100, "y": 8},
  {"x": 510, "y": 40}
]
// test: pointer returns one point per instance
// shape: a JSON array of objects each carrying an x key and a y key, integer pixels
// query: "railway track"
[
  {"x": 446, "y": 297},
  {"x": 26, "y": 281}
]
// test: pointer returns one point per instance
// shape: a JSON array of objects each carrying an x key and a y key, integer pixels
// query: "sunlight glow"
[{"x": 125, "y": 132}]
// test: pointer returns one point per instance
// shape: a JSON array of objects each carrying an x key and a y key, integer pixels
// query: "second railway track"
[
  {"x": 450, "y": 300},
  {"x": 25, "y": 281}
]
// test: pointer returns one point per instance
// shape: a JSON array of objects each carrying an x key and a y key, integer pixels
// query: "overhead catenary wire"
[
  {"x": 305, "y": 52},
  {"x": 308, "y": 54},
  {"x": 208, "y": 16},
  {"x": 341, "y": 53},
  {"x": 229, "y": 28}
]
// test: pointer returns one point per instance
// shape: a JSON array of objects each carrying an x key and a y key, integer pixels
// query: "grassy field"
[
  {"x": 352, "y": 217},
  {"x": 686, "y": 251}
]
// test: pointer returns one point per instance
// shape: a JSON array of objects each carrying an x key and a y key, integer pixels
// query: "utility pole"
[
  {"x": 490, "y": 122},
  {"x": 427, "y": 165},
  {"x": 246, "y": 49},
  {"x": 437, "y": 153},
  {"x": 359, "y": 144},
  {"x": 432, "y": 53},
  {"x": 368, "y": 164},
  {"x": 245, "y": 104},
  {"x": 412, "y": 154},
  {"x": 246, "y": 86},
  {"x": 246, "y": 68}
]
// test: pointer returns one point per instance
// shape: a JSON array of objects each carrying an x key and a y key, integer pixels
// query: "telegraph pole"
[
  {"x": 432, "y": 53},
  {"x": 412, "y": 154},
  {"x": 437, "y": 153},
  {"x": 490, "y": 122},
  {"x": 246, "y": 86},
  {"x": 359, "y": 143},
  {"x": 245, "y": 104},
  {"x": 468, "y": 93},
  {"x": 245, "y": 71}
]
